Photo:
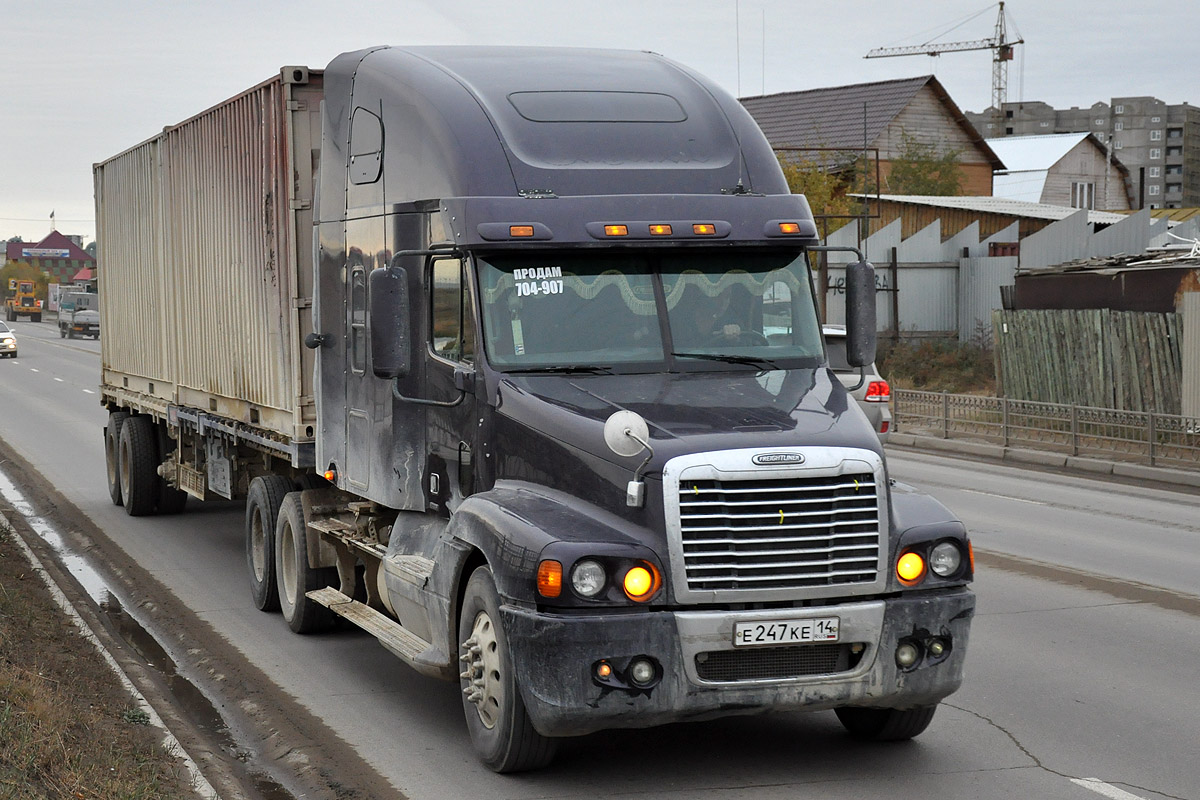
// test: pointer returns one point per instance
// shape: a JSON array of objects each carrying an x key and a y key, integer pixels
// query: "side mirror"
[
  {"x": 860, "y": 314},
  {"x": 391, "y": 348}
]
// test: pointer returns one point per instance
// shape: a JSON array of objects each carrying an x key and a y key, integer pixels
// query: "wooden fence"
[{"x": 1125, "y": 360}]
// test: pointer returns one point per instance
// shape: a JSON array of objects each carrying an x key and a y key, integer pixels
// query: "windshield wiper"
[
  {"x": 565, "y": 369},
  {"x": 751, "y": 360}
]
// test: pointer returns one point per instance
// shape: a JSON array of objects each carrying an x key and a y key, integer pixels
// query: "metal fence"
[{"x": 1161, "y": 440}]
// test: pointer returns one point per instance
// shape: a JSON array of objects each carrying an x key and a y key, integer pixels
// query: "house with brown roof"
[
  {"x": 877, "y": 115},
  {"x": 56, "y": 255}
]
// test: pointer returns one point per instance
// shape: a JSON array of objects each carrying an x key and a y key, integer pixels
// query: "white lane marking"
[
  {"x": 60, "y": 380},
  {"x": 31, "y": 369},
  {"x": 1006, "y": 497},
  {"x": 88, "y": 391},
  {"x": 1100, "y": 787}
]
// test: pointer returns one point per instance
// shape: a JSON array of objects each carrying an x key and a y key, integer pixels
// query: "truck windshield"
[{"x": 648, "y": 311}]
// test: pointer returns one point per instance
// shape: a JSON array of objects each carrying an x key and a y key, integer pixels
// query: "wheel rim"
[
  {"x": 110, "y": 460},
  {"x": 287, "y": 578},
  {"x": 123, "y": 466},
  {"x": 484, "y": 680},
  {"x": 258, "y": 546}
]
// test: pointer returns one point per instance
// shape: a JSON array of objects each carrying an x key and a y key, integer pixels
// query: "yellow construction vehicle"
[{"x": 20, "y": 301}]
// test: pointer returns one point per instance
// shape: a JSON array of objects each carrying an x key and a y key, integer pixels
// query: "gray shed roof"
[{"x": 842, "y": 116}]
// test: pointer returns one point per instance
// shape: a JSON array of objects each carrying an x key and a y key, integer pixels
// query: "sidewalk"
[{"x": 1045, "y": 458}]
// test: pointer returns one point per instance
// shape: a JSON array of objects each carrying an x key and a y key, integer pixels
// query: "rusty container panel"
[
  {"x": 206, "y": 258},
  {"x": 137, "y": 331}
]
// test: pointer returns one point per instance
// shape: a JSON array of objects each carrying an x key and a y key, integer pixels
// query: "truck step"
[{"x": 390, "y": 633}]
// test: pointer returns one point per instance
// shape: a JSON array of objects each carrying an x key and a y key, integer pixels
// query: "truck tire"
[
  {"x": 503, "y": 736},
  {"x": 137, "y": 464},
  {"x": 262, "y": 516},
  {"x": 111, "y": 433},
  {"x": 294, "y": 576},
  {"x": 885, "y": 724}
]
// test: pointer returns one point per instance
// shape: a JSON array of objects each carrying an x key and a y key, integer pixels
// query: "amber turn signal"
[{"x": 550, "y": 578}]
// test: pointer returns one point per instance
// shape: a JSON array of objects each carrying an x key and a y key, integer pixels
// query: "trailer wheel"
[
  {"x": 111, "y": 433},
  {"x": 262, "y": 516},
  {"x": 137, "y": 464},
  {"x": 503, "y": 736},
  {"x": 293, "y": 574},
  {"x": 885, "y": 724}
]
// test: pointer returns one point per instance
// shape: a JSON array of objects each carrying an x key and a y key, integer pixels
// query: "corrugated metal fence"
[{"x": 1101, "y": 358}]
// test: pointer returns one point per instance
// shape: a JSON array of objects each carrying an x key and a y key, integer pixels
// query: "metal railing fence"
[{"x": 1161, "y": 440}]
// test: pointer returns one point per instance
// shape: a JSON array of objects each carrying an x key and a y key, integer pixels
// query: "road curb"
[
  {"x": 1045, "y": 458},
  {"x": 199, "y": 783}
]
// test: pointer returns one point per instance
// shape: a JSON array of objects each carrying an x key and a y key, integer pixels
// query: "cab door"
[{"x": 452, "y": 435}]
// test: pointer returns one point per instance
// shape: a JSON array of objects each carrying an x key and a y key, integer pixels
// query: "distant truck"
[
  {"x": 21, "y": 301},
  {"x": 514, "y": 355},
  {"x": 78, "y": 315}
]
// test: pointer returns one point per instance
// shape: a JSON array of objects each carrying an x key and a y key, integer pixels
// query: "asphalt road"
[{"x": 1081, "y": 679}]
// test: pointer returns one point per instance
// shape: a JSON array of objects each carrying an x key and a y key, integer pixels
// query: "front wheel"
[
  {"x": 500, "y": 729},
  {"x": 885, "y": 724}
]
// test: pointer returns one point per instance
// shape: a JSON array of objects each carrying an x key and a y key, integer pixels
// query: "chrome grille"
[{"x": 779, "y": 533}]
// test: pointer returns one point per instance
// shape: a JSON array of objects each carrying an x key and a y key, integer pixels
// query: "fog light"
[
  {"x": 588, "y": 578},
  {"x": 910, "y": 569},
  {"x": 945, "y": 559},
  {"x": 642, "y": 672},
  {"x": 907, "y": 655},
  {"x": 936, "y": 648},
  {"x": 603, "y": 670}
]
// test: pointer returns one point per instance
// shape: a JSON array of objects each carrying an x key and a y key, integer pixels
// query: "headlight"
[
  {"x": 945, "y": 559},
  {"x": 588, "y": 578}
]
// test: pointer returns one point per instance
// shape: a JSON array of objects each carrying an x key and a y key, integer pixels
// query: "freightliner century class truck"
[{"x": 514, "y": 356}]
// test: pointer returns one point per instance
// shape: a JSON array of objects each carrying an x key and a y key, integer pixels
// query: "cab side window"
[{"x": 453, "y": 318}]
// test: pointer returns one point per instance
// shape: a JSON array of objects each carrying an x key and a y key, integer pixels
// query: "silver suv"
[{"x": 874, "y": 393}]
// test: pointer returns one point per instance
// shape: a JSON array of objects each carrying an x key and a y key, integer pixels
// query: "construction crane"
[{"x": 999, "y": 42}]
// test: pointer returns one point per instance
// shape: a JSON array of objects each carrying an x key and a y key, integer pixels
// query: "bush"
[{"x": 937, "y": 365}]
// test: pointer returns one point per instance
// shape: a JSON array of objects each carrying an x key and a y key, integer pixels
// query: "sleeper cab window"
[{"x": 366, "y": 147}]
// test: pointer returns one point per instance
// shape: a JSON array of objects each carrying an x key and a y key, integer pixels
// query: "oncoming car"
[
  {"x": 8, "y": 341},
  {"x": 873, "y": 394}
]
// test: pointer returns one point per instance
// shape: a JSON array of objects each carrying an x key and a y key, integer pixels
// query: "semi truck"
[{"x": 514, "y": 356}]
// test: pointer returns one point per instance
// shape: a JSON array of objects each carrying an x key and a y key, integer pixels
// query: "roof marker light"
[
  {"x": 790, "y": 228},
  {"x": 616, "y": 230},
  {"x": 520, "y": 230},
  {"x": 660, "y": 230},
  {"x": 704, "y": 229}
]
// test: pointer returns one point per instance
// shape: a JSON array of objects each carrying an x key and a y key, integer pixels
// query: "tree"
[
  {"x": 921, "y": 169},
  {"x": 825, "y": 185},
  {"x": 24, "y": 271}
]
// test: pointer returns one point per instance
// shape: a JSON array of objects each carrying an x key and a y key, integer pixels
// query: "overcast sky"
[{"x": 82, "y": 81}]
